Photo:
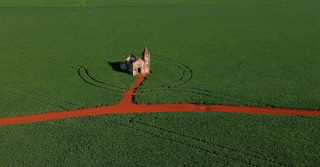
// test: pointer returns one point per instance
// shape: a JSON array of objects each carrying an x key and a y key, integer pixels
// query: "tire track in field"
[
  {"x": 171, "y": 86},
  {"x": 202, "y": 92},
  {"x": 245, "y": 154},
  {"x": 56, "y": 100},
  {"x": 230, "y": 97},
  {"x": 175, "y": 85},
  {"x": 100, "y": 82},
  {"x": 85, "y": 76},
  {"x": 281, "y": 76},
  {"x": 296, "y": 79},
  {"x": 26, "y": 94},
  {"x": 38, "y": 100},
  {"x": 39, "y": 58},
  {"x": 127, "y": 106},
  {"x": 186, "y": 76},
  {"x": 83, "y": 3},
  {"x": 192, "y": 146},
  {"x": 4, "y": 52},
  {"x": 190, "y": 90}
]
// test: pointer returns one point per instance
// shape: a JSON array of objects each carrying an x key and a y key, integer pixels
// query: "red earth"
[{"x": 127, "y": 106}]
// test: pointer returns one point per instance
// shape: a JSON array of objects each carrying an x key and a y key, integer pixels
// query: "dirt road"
[{"x": 127, "y": 106}]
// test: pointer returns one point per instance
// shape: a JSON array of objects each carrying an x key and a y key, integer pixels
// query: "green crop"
[
  {"x": 164, "y": 139},
  {"x": 58, "y": 55},
  {"x": 246, "y": 53}
]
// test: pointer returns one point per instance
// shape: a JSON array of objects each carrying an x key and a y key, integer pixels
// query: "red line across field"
[{"x": 127, "y": 106}]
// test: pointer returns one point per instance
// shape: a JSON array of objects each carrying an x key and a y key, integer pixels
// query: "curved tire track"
[
  {"x": 56, "y": 100},
  {"x": 41, "y": 101},
  {"x": 187, "y": 75},
  {"x": 192, "y": 146},
  {"x": 202, "y": 92},
  {"x": 186, "y": 72},
  {"x": 213, "y": 144},
  {"x": 100, "y": 82},
  {"x": 84, "y": 75}
]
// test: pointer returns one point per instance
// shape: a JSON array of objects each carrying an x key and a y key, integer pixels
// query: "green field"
[
  {"x": 164, "y": 139},
  {"x": 55, "y": 55}
]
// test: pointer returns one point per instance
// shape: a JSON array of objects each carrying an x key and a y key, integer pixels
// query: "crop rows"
[
  {"x": 276, "y": 76},
  {"x": 223, "y": 147},
  {"x": 175, "y": 85},
  {"x": 192, "y": 146},
  {"x": 87, "y": 78},
  {"x": 186, "y": 77},
  {"x": 203, "y": 145},
  {"x": 183, "y": 79},
  {"x": 27, "y": 94}
]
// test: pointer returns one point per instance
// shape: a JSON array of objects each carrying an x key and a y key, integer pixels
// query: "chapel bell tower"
[{"x": 146, "y": 58}]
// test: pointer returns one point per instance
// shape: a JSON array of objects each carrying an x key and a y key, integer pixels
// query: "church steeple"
[
  {"x": 146, "y": 52},
  {"x": 146, "y": 58}
]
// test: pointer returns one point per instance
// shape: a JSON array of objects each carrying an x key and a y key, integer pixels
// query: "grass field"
[
  {"x": 240, "y": 54},
  {"x": 164, "y": 139},
  {"x": 55, "y": 55}
]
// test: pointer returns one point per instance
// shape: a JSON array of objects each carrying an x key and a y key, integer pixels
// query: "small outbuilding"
[{"x": 137, "y": 66}]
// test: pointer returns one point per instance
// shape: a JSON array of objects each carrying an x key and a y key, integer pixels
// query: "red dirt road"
[{"x": 127, "y": 106}]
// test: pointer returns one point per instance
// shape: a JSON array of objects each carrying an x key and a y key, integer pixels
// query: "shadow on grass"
[{"x": 116, "y": 67}]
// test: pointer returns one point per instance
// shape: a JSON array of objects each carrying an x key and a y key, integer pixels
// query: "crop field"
[
  {"x": 164, "y": 139},
  {"x": 62, "y": 55}
]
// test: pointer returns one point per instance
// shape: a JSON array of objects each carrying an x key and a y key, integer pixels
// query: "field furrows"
[
  {"x": 183, "y": 79},
  {"x": 172, "y": 86},
  {"x": 308, "y": 117},
  {"x": 222, "y": 147},
  {"x": 186, "y": 77},
  {"x": 189, "y": 90},
  {"x": 26, "y": 95},
  {"x": 296, "y": 79},
  {"x": 236, "y": 98},
  {"x": 112, "y": 86},
  {"x": 185, "y": 143},
  {"x": 56, "y": 100},
  {"x": 222, "y": 96},
  {"x": 43, "y": 59},
  {"x": 4, "y": 52},
  {"x": 85, "y": 76}
]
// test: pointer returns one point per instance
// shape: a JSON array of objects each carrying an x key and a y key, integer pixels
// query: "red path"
[{"x": 127, "y": 106}]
